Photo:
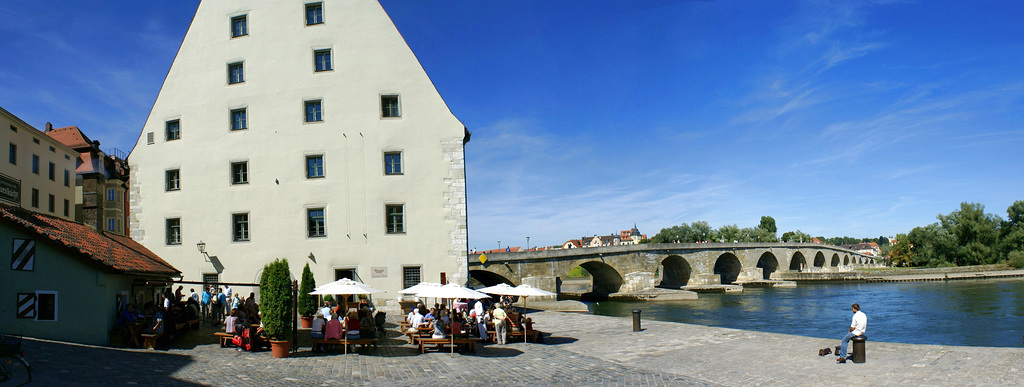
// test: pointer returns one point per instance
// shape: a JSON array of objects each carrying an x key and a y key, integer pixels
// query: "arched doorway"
[
  {"x": 728, "y": 267},
  {"x": 487, "y": 278},
  {"x": 835, "y": 259},
  {"x": 768, "y": 264},
  {"x": 675, "y": 272},
  {"x": 819, "y": 260},
  {"x": 603, "y": 279},
  {"x": 797, "y": 263}
]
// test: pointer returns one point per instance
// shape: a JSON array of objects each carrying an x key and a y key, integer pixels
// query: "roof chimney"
[{"x": 49, "y": 127}]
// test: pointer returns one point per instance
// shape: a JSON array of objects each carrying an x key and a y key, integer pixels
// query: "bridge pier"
[
  {"x": 638, "y": 281},
  {"x": 705, "y": 279},
  {"x": 547, "y": 283}
]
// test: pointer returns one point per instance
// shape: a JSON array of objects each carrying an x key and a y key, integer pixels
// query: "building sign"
[
  {"x": 378, "y": 272},
  {"x": 10, "y": 189}
]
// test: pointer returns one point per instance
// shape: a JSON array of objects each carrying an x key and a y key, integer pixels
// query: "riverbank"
[{"x": 904, "y": 274}]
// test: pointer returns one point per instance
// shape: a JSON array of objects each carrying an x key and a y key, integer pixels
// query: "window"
[
  {"x": 13, "y": 129},
  {"x": 111, "y": 225},
  {"x": 240, "y": 227},
  {"x": 210, "y": 278},
  {"x": 67, "y": 178},
  {"x": 110, "y": 195},
  {"x": 238, "y": 120},
  {"x": 173, "y": 130},
  {"x": 172, "y": 180},
  {"x": 35, "y": 140},
  {"x": 240, "y": 172},
  {"x": 316, "y": 226},
  {"x": 149, "y": 138},
  {"x": 314, "y": 14},
  {"x": 51, "y": 204},
  {"x": 239, "y": 27},
  {"x": 314, "y": 166},
  {"x": 46, "y": 306},
  {"x": 53, "y": 172},
  {"x": 35, "y": 198},
  {"x": 410, "y": 275},
  {"x": 53, "y": 150},
  {"x": 236, "y": 73},
  {"x": 394, "y": 218},
  {"x": 322, "y": 60},
  {"x": 392, "y": 163},
  {"x": 67, "y": 208},
  {"x": 174, "y": 231},
  {"x": 35, "y": 164},
  {"x": 389, "y": 106},
  {"x": 314, "y": 111},
  {"x": 12, "y": 154}
]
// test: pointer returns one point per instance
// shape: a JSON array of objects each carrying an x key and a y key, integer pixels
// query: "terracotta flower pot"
[
  {"x": 307, "y": 321},
  {"x": 280, "y": 348}
]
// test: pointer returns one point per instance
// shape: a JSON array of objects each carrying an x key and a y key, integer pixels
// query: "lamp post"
[
  {"x": 202, "y": 249},
  {"x": 527, "y": 243}
]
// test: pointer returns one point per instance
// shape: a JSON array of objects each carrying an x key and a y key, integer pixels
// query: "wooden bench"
[
  {"x": 345, "y": 342},
  {"x": 150, "y": 339},
  {"x": 180, "y": 327},
  {"x": 421, "y": 331},
  {"x": 225, "y": 338},
  {"x": 193, "y": 324},
  {"x": 531, "y": 336},
  {"x": 440, "y": 344}
]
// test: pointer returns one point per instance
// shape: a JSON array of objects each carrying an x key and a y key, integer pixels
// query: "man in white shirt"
[{"x": 857, "y": 328}]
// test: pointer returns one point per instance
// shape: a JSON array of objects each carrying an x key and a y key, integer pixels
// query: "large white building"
[{"x": 301, "y": 130}]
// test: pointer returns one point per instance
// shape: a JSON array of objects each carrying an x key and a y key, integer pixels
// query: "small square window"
[
  {"x": 12, "y": 154},
  {"x": 389, "y": 106},
  {"x": 315, "y": 166},
  {"x": 14, "y": 129},
  {"x": 236, "y": 73},
  {"x": 314, "y": 111},
  {"x": 239, "y": 120},
  {"x": 316, "y": 226},
  {"x": 53, "y": 172},
  {"x": 35, "y": 140},
  {"x": 239, "y": 26},
  {"x": 172, "y": 130},
  {"x": 53, "y": 150},
  {"x": 240, "y": 227},
  {"x": 410, "y": 275},
  {"x": 322, "y": 60},
  {"x": 35, "y": 164},
  {"x": 240, "y": 172},
  {"x": 172, "y": 180},
  {"x": 173, "y": 226},
  {"x": 314, "y": 13},
  {"x": 392, "y": 163},
  {"x": 35, "y": 198},
  {"x": 394, "y": 218}
]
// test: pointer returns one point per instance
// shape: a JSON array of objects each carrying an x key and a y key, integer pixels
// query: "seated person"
[
  {"x": 438, "y": 332},
  {"x": 415, "y": 321},
  {"x": 352, "y": 325},
  {"x": 318, "y": 329},
  {"x": 230, "y": 321},
  {"x": 333, "y": 329},
  {"x": 430, "y": 315},
  {"x": 366, "y": 329},
  {"x": 457, "y": 324},
  {"x": 158, "y": 322}
]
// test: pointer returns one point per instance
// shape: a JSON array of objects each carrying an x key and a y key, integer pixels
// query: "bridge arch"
[
  {"x": 835, "y": 259},
  {"x": 819, "y": 259},
  {"x": 489, "y": 278},
  {"x": 728, "y": 267},
  {"x": 675, "y": 272},
  {"x": 604, "y": 278},
  {"x": 768, "y": 264},
  {"x": 797, "y": 262},
  {"x": 846, "y": 260}
]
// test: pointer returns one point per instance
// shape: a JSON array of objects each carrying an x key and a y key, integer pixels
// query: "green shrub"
[
  {"x": 276, "y": 291},
  {"x": 1016, "y": 259},
  {"x": 307, "y": 302}
]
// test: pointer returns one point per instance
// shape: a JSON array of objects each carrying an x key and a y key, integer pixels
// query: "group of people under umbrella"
[{"x": 449, "y": 292}]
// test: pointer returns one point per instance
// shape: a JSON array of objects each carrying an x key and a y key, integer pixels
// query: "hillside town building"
[{"x": 307, "y": 131}]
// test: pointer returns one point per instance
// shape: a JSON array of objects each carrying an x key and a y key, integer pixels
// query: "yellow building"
[{"x": 39, "y": 173}]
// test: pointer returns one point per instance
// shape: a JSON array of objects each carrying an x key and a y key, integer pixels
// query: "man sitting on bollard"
[{"x": 857, "y": 328}]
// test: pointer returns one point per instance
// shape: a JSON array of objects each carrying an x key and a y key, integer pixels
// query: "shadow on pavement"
[{"x": 57, "y": 363}]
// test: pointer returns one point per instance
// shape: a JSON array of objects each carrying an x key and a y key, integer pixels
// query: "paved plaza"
[{"x": 582, "y": 350}]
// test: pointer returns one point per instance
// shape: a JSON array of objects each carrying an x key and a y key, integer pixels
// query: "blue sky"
[{"x": 837, "y": 118}]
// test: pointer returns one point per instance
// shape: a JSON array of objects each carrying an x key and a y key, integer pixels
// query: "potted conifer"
[
  {"x": 307, "y": 302},
  {"x": 276, "y": 292}
]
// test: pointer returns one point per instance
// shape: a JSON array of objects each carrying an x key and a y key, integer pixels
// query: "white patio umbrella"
[
  {"x": 416, "y": 288},
  {"x": 345, "y": 287},
  {"x": 524, "y": 291},
  {"x": 451, "y": 291},
  {"x": 501, "y": 289}
]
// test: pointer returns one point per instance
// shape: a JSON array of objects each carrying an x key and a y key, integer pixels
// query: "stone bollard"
[
  {"x": 859, "y": 344},
  {"x": 636, "y": 320}
]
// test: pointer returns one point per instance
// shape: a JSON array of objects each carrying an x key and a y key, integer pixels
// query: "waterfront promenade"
[{"x": 584, "y": 350}]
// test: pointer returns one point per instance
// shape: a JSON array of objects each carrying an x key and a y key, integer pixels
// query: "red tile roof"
[
  {"x": 70, "y": 136},
  {"x": 113, "y": 252}
]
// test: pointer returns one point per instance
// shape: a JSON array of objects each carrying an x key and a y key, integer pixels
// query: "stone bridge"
[{"x": 637, "y": 268}]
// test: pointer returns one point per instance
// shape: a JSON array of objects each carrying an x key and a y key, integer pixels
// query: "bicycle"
[{"x": 14, "y": 368}]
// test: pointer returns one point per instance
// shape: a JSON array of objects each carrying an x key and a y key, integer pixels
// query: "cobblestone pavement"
[{"x": 583, "y": 350}]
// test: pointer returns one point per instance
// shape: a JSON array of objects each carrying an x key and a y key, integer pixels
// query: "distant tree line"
[
  {"x": 967, "y": 236},
  {"x": 701, "y": 231}
]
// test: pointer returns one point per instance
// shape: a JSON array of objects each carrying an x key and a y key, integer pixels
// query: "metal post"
[
  {"x": 636, "y": 320},
  {"x": 295, "y": 315}
]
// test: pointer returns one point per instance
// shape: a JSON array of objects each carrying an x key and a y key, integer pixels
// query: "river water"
[{"x": 964, "y": 312}]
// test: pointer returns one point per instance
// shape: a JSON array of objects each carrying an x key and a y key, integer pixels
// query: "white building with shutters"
[{"x": 307, "y": 131}]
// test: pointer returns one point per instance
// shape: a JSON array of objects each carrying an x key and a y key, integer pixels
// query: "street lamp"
[
  {"x": 202, "y": 249},
  {"x": 527, "y": 243}
]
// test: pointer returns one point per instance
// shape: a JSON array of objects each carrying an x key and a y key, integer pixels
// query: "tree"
[
  {"x": 902, "y": 253},
  {"x": 795, "y": 236},
  {"x": 276, "y": 293},
  {"x": 883, "y": 241},
  {"x": 975, "y": 231},
  {"x": 307, "y": 302},
  {"x": 768, "y": 224}
]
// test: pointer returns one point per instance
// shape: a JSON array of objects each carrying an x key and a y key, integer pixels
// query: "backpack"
[{"x": 243, "y": 338}]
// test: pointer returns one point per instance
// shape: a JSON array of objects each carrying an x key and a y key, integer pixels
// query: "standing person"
[
  {"x": 481, "y": 322},
  {"x": 857, "y": 328},
  {"x": 499, "y": 323},
  {"x": 193, "y": 295},
  {"x": 178, "y": 294},
  {"x": 204, "y": 302},
  {"x": 225, "y": 308}
]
